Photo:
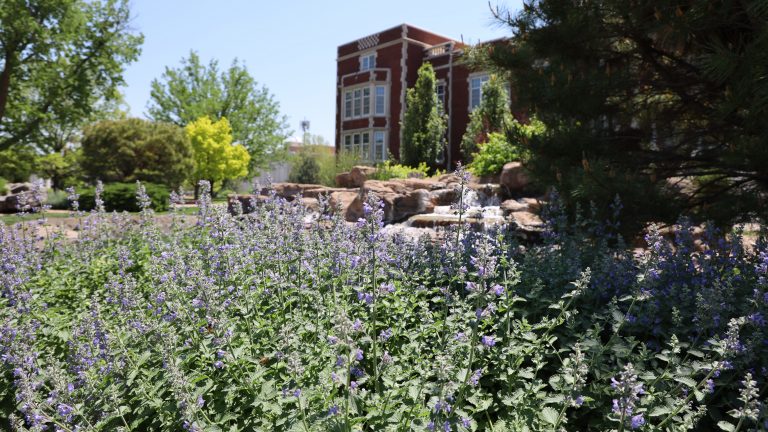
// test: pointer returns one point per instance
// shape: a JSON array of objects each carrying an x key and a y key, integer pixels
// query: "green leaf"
[
  {"x": 726, "y": 426},
  {"x": 549, "y": 415},
  {"x": 659, "y": 411},
  {"x": 687, "y": 381}
]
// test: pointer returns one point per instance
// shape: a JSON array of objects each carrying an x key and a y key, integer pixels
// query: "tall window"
[
  {"x": 360, "y": 101},
  {"x": 365, "y": 146},
  {"x": 358, "y": 97},
  {"x": 476, "y": 90},
  {"x": 367, "y": 62},
  {"x": 380, "y": 100},
  {"x": 379, "y": 149},
  {"x": 347, "y": 104},
  {"x": 440, "y": 90},
  {"x": 366, "y": 101},
  {"x": 359, "y": 143}
]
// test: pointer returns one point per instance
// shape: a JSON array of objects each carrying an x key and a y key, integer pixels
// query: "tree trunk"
[{"x": 5, "y": 81}]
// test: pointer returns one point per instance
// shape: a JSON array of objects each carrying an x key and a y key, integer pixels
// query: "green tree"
[
  {"x": 640, "y": 98},
  {"x": 58, "y": 60},
  {"x": 491, "y": 116},
  {"x": 16, "y": 165},
  {"x": 424, "y": 125},
  {"x": 63, "y": 168},
  {"x": 135, "y": 149},
  {"x": 195, "y": 90},
  {"x": 216, "y": 157}
]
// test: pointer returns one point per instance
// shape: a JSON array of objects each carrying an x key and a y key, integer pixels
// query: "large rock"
[
  {"x": 512, "y": 206},
  {"x": 315, "y": 193},
  {"x": 416, "y": 183},
  {"x": 514, "y": 178},
  {"x": 343, "y": 201},
  {"x": 360, "y": 174},
  {"x": 289, "y": 191},
  {"x": 443, "y": 197},
  {"x": 412, "y": 203},
  {"x": 526, "y": 222},
  {"x": 344, "y": 180},
  {"x": 17, "y": 188}
]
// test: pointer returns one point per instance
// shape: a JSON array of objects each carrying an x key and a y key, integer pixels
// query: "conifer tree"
[
  {"x": 664, "y": 103},
  {"x": 491, "y": 116},
  {"x": 424, "y": 124}
]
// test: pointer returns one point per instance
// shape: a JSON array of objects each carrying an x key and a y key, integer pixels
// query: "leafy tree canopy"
[
  {"x": 216, "y": 157},
  {"x": 194, "y": 90},
  {"x": 135, "y": 149},
  {"x": 59, "y": 59},
  {"x": 663, "y": 102},
  {"x": 424, "y": 124}
]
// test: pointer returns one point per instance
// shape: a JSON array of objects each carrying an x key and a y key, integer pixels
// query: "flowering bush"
[{"x": 283, "y": 321}]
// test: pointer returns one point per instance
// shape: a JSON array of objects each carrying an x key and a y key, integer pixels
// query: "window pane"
[
  {"x": 380, "y": 100},
  {"x": 358, "y": 102},
  {"x": 347, "y": 105},
  {"x": 366, "y": 101},
  {"x": 347, "y": 143},
  {"x": 365, "y": 149},
  {"x": 379, "y": 152}
]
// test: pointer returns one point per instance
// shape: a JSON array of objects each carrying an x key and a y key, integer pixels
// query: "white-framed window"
[
  {"x": 369, "y": 145},
  {"x": 357, "y": 97},
  {"x": 379, "y": 146},
  {"x": 476, "y": 83},
  {"x": 381, "y": 100},
  {"x": 440, "y": 90},
  {"x": 366, "y": 101},
  {"x": 358, "y": 102},
  {"x": 347, "y": 104},
  {"x": 367, "y": 61}
]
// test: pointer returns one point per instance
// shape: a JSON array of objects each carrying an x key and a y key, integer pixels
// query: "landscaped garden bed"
[{"x": 261, "y": 322}]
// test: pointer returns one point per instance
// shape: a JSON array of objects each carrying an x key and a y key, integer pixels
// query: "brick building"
[{"x": 372, "y": 76}]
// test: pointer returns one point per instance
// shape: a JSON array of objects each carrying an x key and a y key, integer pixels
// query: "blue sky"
[{"x": 288, "y": 46}]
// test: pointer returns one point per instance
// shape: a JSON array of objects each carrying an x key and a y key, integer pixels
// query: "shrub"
[
  {"x": 388, "y": 170},
  {"x": 493, "y": 155},
  {"x": 3, "y": 186},
  {"x": 305, "y": 168},
  {"x": 134, "y": 149},
  {"x": 57, "y": 199},
  {"x": 122, "y": 197}
]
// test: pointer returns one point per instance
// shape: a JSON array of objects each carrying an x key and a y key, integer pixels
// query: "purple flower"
[
  {"x": 353, "y": 385},
  {"x": 579, "y": 401},
  {"x": 200, "y": 401},
  {"x": 475, "y": 378},
  {"x": 488, "y": 341},
  {"x": 466, "y": 422},
  {"x": 359, "y": 354},
  {"x": 297, "y": 393},
  {"x": 334, "y": 410},
  {"x": 340, "y": 360},
  {"x": 637, "y": 421},
  {"x": 431, "y": 426},
  {"x": 385, "y": 334},
  {"x": 447, "y": 426},
  {"x": 219, "y": 364},
  {"x": 498, "y": 290},
  {"x": 357, "y": 325}
]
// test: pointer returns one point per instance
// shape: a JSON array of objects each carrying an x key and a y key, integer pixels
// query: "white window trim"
[
  {"x": 370, "y": 157},
  {"x": 471, "y": 77},
  {"x": 438, "y": 83},
  {"x": 368, "y": 54},
  {"x": 371, "y": 99}
]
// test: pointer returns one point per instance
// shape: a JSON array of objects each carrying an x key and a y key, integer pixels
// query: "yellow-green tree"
[{"x": 216, "y": 157}]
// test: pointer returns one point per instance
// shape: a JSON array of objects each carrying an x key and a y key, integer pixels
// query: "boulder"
[
  {"x": 315, "y": 193},
  {"x": 512, "y": 206},
  {"x": 378, "y": 187},
  {"x": 17, "y": 188},
  {"x": 443, "y": 197},
  {"x": 526, "y": 222},
  {"x": 416, "y": 183},
  {"x": 290, "y": 190},
  {"x": 412, "y": 203},
  {"x": 343, "y": 201},
  {"x": 344, "y": 180},
  {"x": 514, "y": 178},
  {"x": 360, "y": 174}
]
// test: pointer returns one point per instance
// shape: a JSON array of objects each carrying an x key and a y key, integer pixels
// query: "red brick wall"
[{"x": 425, "y": 36}]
